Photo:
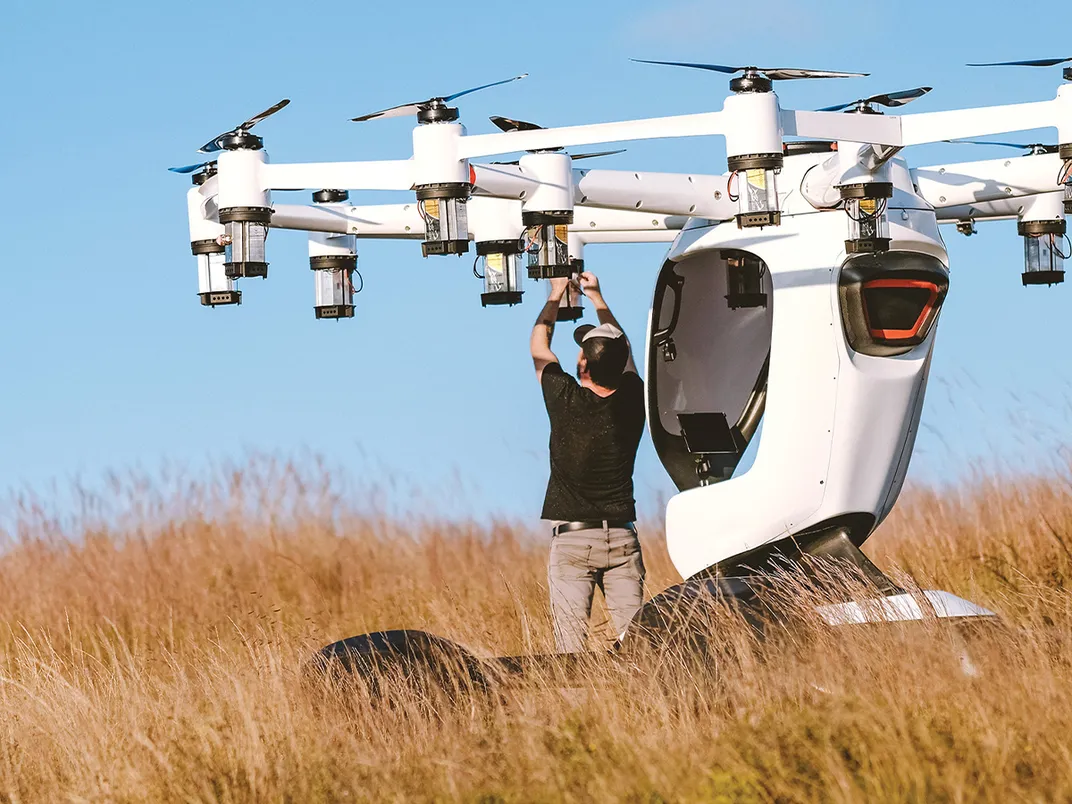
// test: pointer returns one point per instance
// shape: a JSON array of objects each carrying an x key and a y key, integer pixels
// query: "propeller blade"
[
  {"x": 506, "y": 124},
  {"x": 774, "y": 73},
  {"x": 413, "y": 108},
  {"x": 894, "y": 99},
  {"x": 717, "y": 68},
  {"x": 394, "y": 111},
  {"x": 594, "y": 154},
  {"x": 213, "y": 145},
  {"x": 190, "y": 168},
  {"x": 985, "y": 142},
  {"x": 484, "y": 86},
  {"x": 890, "y": 100},
  {"x": 787, "y": 74},
  {"x": 1050, "y": 149},
  {"x": 574, "y": 157},
  {"x": 1028, "y": 63},
  {"x": 259, "y": 117}
]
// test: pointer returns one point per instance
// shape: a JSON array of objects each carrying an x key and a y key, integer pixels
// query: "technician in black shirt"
[{"x": 596, "y": 424}]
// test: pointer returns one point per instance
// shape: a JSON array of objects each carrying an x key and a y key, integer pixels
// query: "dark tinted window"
[{"x": 896, "y": 309}]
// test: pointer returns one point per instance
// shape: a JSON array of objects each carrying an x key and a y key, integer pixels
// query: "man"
[{"x": 596, "y": 424}]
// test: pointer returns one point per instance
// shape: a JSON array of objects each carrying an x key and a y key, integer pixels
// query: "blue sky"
[{"x": 109, "y": 362}]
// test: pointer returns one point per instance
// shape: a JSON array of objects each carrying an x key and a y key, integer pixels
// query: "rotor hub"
[
  {"x": 751, "y": 81},
  {"x": 202, "y": 176},
  {"x": 240, "y": 140},
  {"x": 437, "y": 112}
]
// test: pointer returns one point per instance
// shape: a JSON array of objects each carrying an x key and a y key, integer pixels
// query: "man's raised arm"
[
  {"x": 590, "y": 286},
  {"x": 540, "y": 342}
]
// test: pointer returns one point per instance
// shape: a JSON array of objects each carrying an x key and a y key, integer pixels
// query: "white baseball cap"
[{"x": 586, "y": 332}]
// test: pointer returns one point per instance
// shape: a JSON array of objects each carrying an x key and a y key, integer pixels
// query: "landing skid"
[{"x": 682, "y": 618}]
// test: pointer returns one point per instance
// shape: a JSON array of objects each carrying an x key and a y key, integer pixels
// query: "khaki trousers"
[{"x": 580, "y": 561}]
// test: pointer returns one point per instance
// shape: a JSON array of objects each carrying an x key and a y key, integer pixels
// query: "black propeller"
[
  {"x": 773, "y": 73},
  {"x": 890, "y": 100},
  {"x": 1027, "y": 63},
  {"x": 240, "y": 135},
  {"x": 507, "y": 124},
  {"x": 191, "y": 168},
  {"x": 1034, "y": 148},
  {"x": 431, "y": 103}
]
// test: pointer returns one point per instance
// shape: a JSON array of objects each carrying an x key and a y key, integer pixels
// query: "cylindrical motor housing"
[
  {"x": 1042, "y": 226},
  {"x": 500, "y": 263},
  {"x": 214, "y": 287},
  {"x": 865, "y": 205},
  {"x": 554, "y": 192},
  {"x": 245, "y": 233},
  {"x": 546, "y": 213},
  {"x": 1044, "y": 260},
  {"x": 754, "y": 151},
  {"x": 333, "y": 260},
  {"x": 446, "y": 224},
  {"x": 548, "y": 247},
  {"x": 757, "y": 191},
  {"x": 245, "y": 211}
]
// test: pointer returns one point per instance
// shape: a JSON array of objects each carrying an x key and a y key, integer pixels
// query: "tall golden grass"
[{"x": 153, "y": 644}]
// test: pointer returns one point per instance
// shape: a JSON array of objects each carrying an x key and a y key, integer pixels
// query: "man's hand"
[{"x": 590, "y": 285}]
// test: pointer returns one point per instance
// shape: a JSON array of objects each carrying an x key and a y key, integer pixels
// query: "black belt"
[{"x": 599, "y": 524}]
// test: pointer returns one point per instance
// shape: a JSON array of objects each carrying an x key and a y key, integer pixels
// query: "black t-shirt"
[{"x": 594, "y": 443}]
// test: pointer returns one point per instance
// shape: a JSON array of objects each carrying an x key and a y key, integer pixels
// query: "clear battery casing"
[
  {"x": 757, "y": 198},
  {"x": 213, "y": 285},
  {"x": 548, "y": 251},
  {"x": 501, "y": 270},
  {"x": 1044, "y": 263},
  {"x": 446, "y": 220}
]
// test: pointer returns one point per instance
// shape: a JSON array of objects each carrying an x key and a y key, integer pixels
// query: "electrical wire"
[
  {"x": 350, "y": 281},
  {"x": 1057, "y": 251},
  {"x": 1064, "y": 175}
]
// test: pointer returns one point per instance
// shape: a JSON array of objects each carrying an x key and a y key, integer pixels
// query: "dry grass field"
[{"x": 152, "y": 649}]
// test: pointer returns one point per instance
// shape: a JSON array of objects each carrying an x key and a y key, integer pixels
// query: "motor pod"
[
  {"x": 245, "y": 210},
  {"x": 446, "y": 224},
  {"x": 333, "y": 260},
  {"x": 571, "y": 308},
  {"x": 547, "y": 235},
  {"x": 330, "y": 196},
  {"x": 499, "y": 262},
  {"x": 865, "y": 204},
  {"x": 1044, "y": 251},
  {"x": 214, "y": 287},
  {"x": 754, "y": 150},
  {"x": 547, "y": 212},
  {"x": 246, "y": 230},
  {"x": 754, "y": 182}
]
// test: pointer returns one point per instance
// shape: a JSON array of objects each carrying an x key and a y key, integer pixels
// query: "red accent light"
[
  {"x": 472, "y": 176},
  {"x": 924, "y": 315}
]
